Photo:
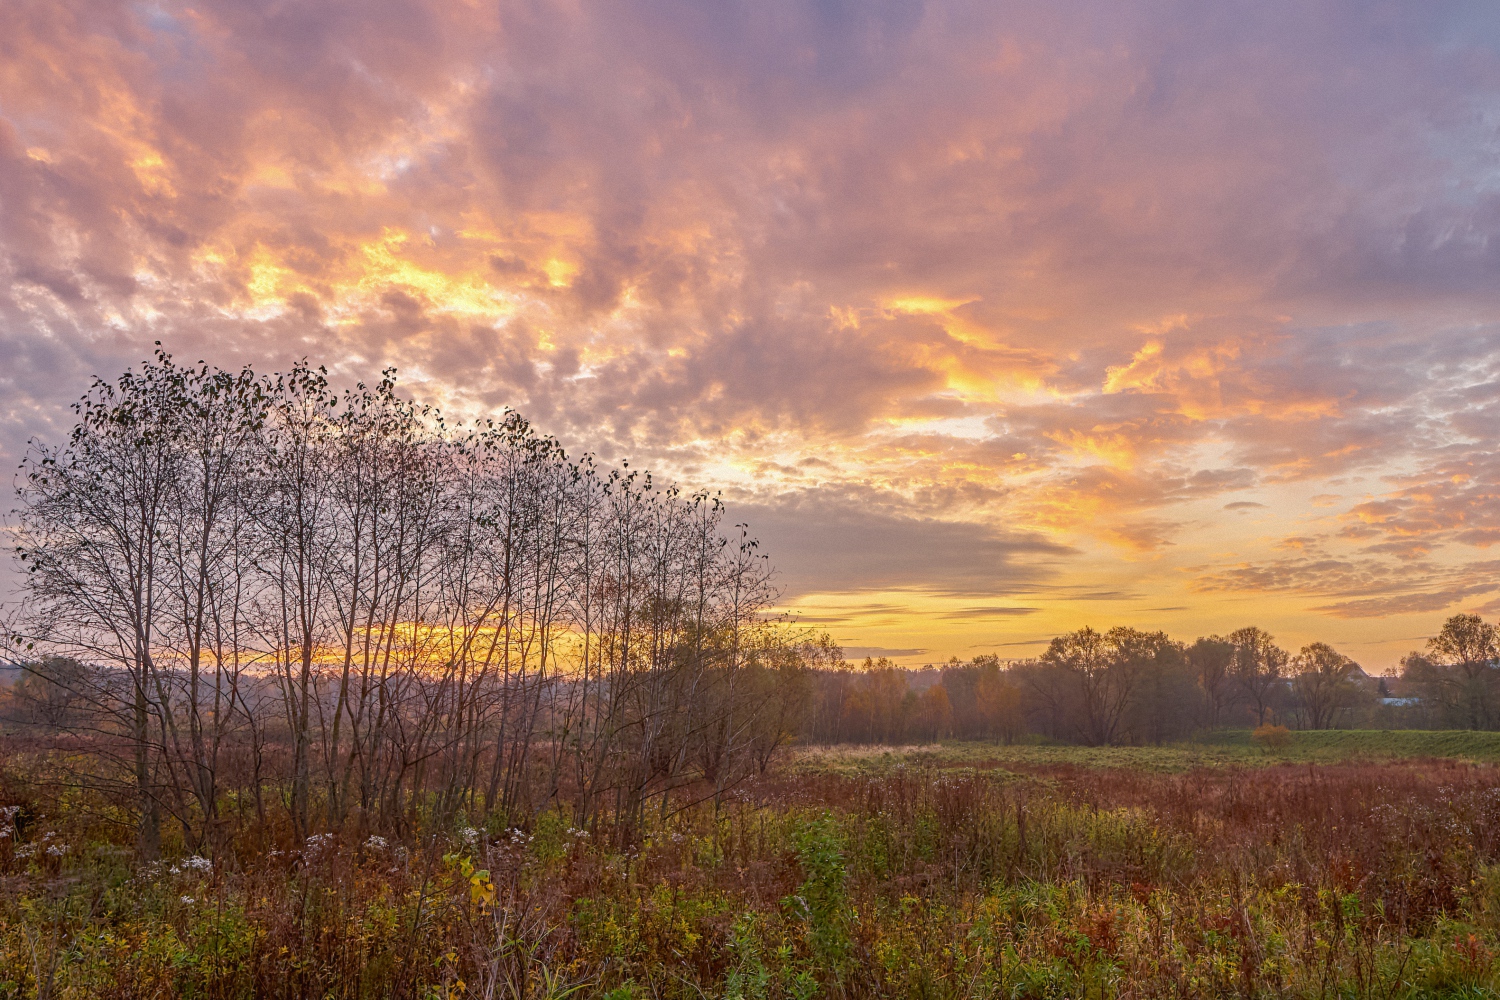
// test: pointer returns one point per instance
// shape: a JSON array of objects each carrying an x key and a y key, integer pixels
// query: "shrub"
[{"x": 1269, "y": 737}]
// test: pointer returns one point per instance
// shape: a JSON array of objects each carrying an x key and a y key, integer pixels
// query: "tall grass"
[{"x": 1289, "y": 879}]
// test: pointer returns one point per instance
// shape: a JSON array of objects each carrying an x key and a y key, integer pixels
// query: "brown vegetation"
[{"x": 1292, "y": 880}]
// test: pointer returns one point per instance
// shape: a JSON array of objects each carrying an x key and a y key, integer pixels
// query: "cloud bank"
[{"x": 956, "y": 300}]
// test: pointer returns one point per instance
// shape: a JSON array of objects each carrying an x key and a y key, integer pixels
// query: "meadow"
[
  {"x": 1228, "y": 747},
  {"x": 314, "y": 694},
  {"x": 1342, "y": 864}
]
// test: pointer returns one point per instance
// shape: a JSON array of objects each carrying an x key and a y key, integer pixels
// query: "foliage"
[{"x": 1271, "y": 737}]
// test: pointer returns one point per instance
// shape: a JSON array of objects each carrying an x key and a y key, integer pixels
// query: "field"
[
  {"x": 1345, "y": 864},
  {"x": 1228, "y": 748}
]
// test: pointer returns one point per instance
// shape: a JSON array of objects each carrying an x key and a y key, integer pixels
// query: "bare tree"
[
  {"x": 293, "y": 508},
  {"x": 93, "y": 521},
  {"x": 1103, "y": 680},
  {"x": 383, "y": 619},
  {"x": 206, "y": 561}
]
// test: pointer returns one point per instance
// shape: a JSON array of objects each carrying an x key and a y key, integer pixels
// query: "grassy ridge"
[{"x": 1224, "y": 748}]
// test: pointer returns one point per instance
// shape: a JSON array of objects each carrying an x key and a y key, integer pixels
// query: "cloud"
[
  {"x": 970, "y": 614},
  {"x": 861, "y": 652},
  {"x": 954, "y": 297},
  {"x": 829, "y": 543},
  {"x": 1400, "y": 604},
  {"x": 1369, "y": 586}
]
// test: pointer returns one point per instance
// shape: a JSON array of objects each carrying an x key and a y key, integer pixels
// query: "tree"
[
  {"x": 52, "y": 692},
  {"x": 997, "y": 701},
  {"x": 1212, "y": 660},
  {"x": 1462, "y": 670},
  {"x": 1104, "y": 670},
  {"x": 383, "y": 618},
  {"x": 1259, "y": 669},
  {"x": 934, "y": 713},
  {"x": 781, "y": 678},
  {"x": 1165, "y": 700},
  {"x": 1322, "y": 684},
  {"x": 880, "y": 701},
  {"x": 93, "y": 524},
  {"x": 292, "y": 485}
]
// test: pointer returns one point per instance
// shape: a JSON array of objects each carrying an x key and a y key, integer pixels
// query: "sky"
[{"x": 993, "y": 319}]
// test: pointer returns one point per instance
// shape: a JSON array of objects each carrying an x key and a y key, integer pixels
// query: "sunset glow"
[{"x": 992, "y": 321}]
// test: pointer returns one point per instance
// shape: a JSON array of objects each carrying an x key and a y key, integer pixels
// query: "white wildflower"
[
  {"x": 377, "y": 843},
  {"x": 318, "y": 841},
  {"x": 57, "y": 850},
  {"x": 188, "y": 900},
  {"x": 468, "y": 834},
  {"x": 198, "y": 864}
]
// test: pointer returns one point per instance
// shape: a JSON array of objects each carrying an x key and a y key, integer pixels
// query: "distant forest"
[
  {"x": 249, "y": 595},
  {"x": 1130, "y": 686}
]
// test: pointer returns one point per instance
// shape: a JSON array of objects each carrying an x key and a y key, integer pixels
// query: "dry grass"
[
  {"x": 1228, "y": 748},
  {"x": 849, "y": 874}
]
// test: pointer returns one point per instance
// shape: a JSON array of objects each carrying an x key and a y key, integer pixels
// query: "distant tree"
[
  {"x": 1322, "y": 683},
  {"x": 880, "y": 706},
  {"x": 54, "y": 691},
  {"x": 1081, "y": 660},
  {"x": 831, "y": 712},
  {"x": 1166, "y": 702},
  {"x": 1105, "y": 671},
  {"x": 1459, "y": 673},
  {"x": 778, "y": 691},
  {"x": 1213, "y": 660},
  {"x": 997, "y": 701},
  {"x": 1435, "y": 697},
  {"x": 1259, "y": 669},
  {"x": 934, "y": 713}
]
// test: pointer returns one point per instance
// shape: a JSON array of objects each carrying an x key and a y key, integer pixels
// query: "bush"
[{"x": 1269, "y": 737}]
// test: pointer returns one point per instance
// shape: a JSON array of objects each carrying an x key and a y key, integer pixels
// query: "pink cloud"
[{"x": 1041, "y": 276}]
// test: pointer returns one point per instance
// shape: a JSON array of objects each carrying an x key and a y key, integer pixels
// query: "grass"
[
  {"x": 1226, "y": 748},
  {"x": 1346, "y": 865}
]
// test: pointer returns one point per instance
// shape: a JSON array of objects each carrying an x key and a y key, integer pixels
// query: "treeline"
[
  {"x": 253, "y": 599},
  {"x": 1129, "y": 686}
]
